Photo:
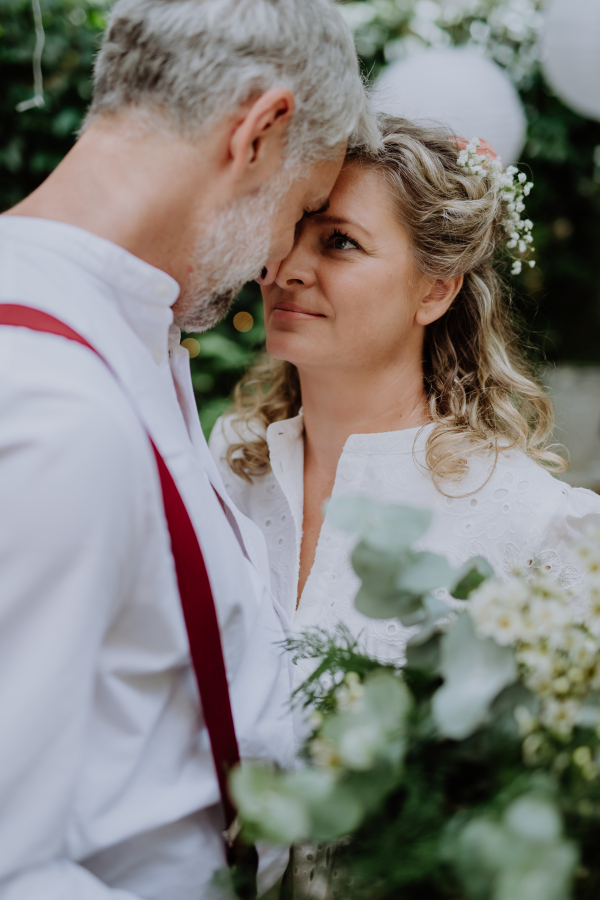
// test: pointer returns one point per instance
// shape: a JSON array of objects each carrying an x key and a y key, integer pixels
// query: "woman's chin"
[{"x": 289, "y": 348}]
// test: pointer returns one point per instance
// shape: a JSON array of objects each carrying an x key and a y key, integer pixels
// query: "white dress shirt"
[
  {"x": 519, "y": 515},
  {"x": 107, "y": 786}
]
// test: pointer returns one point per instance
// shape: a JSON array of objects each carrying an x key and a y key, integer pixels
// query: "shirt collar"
[
  {"x": 282, "y": 433},
  {"x": 143, "y": 293}
]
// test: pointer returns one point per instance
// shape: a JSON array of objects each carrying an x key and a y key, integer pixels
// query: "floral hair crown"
[{"x": 513, "y": 187}]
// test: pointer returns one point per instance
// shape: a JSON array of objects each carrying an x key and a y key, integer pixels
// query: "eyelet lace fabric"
[{"x": 515, "y": 514}]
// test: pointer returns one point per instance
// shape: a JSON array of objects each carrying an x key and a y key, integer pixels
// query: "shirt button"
[
  {"x": 157, "y": 354},
  {"x": 162, "y": 289}
]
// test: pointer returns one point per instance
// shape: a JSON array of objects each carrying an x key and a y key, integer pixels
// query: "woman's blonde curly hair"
[{"x": 482, "y": 396}]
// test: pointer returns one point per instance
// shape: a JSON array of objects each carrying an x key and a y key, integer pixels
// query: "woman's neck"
[{"x": 338, "y": 404}]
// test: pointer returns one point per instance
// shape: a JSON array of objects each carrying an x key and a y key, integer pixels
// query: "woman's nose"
[{"x": 296, "y": 269}]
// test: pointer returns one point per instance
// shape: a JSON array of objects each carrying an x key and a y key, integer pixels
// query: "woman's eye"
[{"x": 342, "y": 242}]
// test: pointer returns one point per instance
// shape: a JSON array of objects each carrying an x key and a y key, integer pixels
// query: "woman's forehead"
[
  {"x": 362, "y": 195},
  {"x": 359, "y": 186}
]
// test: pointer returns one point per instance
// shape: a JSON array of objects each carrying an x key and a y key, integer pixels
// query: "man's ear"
[
  {"x": 438, "y": 300},
  {"x": 257, "y": 142}
]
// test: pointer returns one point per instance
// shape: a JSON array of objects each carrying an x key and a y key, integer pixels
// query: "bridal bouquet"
[{"x": 473, "y": 771}]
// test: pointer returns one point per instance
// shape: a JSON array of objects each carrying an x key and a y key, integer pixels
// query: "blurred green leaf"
[
  {"x": 475, "y": 670},
  {"x": 470, "y": 576},
  {"x": 521, "y": 857},
  {"x": 424, "y": 573},
  {"x": 388, "y": 528}
]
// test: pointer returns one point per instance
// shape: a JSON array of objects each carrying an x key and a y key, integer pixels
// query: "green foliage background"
[{"x": 560, "y": 298}]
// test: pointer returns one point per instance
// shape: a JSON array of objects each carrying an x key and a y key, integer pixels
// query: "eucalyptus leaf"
[
  {"x": 387, "y": 698},
  {"x": 385, "y": 527},
  {"x": 470, "y": 576},
  {"x": 475, "y": 670},
  {"x": 378, "y": 596},
  {"x": 501, "y": 715},
  {"x": 424, "y": 572},
  {"x": 523, "y": 856},
  {"x": 340, "y": 815},
  {"x": 350, "y": 513},
  {"x": 268, "y": 806},
  {"x": 426, "y": 655},
  {"x": 372, "y": 733},
  {"x": 436, "y": 608}
]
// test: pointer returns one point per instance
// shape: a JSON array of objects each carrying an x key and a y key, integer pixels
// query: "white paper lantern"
[
  {"x": 571, "y": 53},
  {"x": 459, "y": 88}
]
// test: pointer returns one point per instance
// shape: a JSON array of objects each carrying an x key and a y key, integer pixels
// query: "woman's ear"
[{"x": 438, "y": 299}]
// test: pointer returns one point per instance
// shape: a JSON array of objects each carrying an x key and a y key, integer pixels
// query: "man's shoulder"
[{"x": 57, "y": 396}]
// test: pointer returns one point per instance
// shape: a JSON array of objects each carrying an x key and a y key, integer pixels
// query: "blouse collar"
[{"x": 281, "y": 436}]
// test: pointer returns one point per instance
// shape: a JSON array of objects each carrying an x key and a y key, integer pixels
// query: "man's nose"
[{"x": 269, "y": 273}]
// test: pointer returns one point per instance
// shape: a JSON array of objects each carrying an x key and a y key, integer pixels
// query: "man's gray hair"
[{"x": 198, "y": 60}]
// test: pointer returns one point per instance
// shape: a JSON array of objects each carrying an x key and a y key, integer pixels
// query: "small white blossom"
[
  {"x": 511, "y": 185},
  {"x": 526, "y": 723},
  {"x": 560, "y": 716},
  {"x": 324, "y": 753},
  {"x": 350, "y": 696},
  {"x": 315, "y": 720}
]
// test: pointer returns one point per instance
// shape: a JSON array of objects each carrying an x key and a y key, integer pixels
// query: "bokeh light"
[
  {"x": 243, "y": 321},
  {"x": 192, "y": 346}
]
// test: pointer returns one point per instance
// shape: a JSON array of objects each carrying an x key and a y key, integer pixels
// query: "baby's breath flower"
[
  {"x": 561, "y": 685},
  {"x": 350, "y": 696},
  {"x": 526, "y": 723},
  {"x": 560, "y": 716},
  {"x": 315, "y": 720},
  {"x": 324, "y": 753},
  {"x": 582, "y": 756},
  {"x": 512, "y": 186},
  {"x": 531, "y": 747}
]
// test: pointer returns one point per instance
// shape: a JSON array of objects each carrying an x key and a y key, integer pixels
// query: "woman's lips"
[{"x": 293, "y": 311}]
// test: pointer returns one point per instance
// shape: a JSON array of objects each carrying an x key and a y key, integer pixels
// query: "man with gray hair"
[{"x": 138, "y": 637}]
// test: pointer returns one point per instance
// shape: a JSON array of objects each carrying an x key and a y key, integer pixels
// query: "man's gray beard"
[{"x": 231, "y": 251}]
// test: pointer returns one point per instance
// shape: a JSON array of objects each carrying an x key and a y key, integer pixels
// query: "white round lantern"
[
  {"x": 458, "y": 88},
  {"x": 571, "y": 53}
]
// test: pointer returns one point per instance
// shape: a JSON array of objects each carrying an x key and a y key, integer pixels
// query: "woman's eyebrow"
[{"x": 339, "y": 220}]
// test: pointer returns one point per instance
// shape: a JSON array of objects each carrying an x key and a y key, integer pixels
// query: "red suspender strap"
[{"x": 194, "y": 587}]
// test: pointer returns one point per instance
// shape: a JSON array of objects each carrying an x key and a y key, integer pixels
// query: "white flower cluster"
[
  {"x": 556, "y": 645},
  {"x": 512, "y": 186},
  {"x": 503, "y": 30}
]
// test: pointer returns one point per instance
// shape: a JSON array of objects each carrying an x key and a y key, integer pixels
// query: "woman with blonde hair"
[{"x": 394, "y": 371}]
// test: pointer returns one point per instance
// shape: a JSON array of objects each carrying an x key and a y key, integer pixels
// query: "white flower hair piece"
[{"x": 513, "y": 186}]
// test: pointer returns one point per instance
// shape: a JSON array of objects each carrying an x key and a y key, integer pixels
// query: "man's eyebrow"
[
  {"x": 317, "y": 212},
  {"x": 339, "y": 220}
]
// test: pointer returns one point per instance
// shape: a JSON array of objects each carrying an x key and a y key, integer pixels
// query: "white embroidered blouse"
[{"x": 521, "y": 515}]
